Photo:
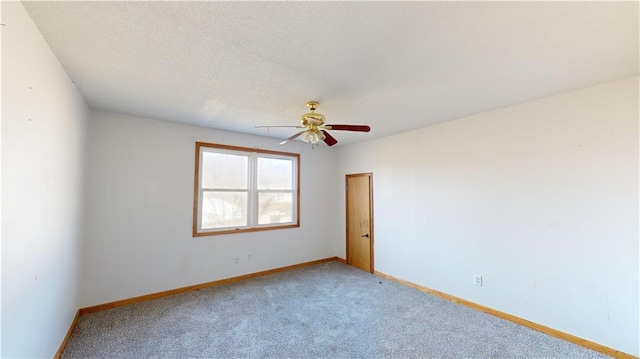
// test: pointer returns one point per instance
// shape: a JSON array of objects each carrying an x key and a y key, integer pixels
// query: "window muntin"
[{"x": 241, "y": 189}]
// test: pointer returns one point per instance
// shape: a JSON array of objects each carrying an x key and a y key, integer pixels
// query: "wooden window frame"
[{"x": 252, "y": 227}]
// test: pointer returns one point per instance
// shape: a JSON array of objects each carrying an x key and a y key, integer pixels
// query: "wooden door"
[{"x": 359, "y": 194}]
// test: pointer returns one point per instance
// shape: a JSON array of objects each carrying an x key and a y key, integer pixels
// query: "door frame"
[{"x": 346, "y": 195}]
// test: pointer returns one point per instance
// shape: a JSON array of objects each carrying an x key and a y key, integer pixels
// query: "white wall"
[
  {"x": 540, "y": 198},
  {"x": 43, "y": 123},
  {"x": 140, "y": 203}
]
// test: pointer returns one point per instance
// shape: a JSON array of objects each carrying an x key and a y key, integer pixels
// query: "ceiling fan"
[{"x": 315, "y": 129}]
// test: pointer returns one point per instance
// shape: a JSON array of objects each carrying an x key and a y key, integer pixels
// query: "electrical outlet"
[
  {"x": 236, "y": 260},
  {"x": 477, "y": 280},
  {"x": 249, "y": 257}
]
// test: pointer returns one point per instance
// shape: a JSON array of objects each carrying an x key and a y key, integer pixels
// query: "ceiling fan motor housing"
[{"x": 312, "y": 119}]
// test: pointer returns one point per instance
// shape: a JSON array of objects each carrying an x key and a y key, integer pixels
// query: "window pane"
[
  {"x": 275, "y": 208},
  {"x": 224, "y": 171},
  {"x": 275, "y": 173},
  {"x": 224, "y": 209}
]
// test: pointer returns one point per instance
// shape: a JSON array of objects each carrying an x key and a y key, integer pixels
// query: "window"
[{"x": 240, "y": 189}]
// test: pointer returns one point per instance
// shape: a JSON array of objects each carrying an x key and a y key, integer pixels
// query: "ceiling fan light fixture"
[{"x": 312, "y": 137}]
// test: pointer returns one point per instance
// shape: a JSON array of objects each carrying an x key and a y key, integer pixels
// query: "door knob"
[{"x": 365, "y": 235}]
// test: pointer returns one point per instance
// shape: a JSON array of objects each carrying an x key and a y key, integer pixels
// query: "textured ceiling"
[{"x": 394, "y": 65}]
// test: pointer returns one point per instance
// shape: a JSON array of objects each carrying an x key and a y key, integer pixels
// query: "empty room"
[{"x": 320, "y": 179}]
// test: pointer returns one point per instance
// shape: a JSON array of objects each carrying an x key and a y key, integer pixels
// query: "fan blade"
[
  {"x": 359, "y": 128},
  {"x": 328, "y": 139},
  {"x": 280, "y": 126},
  {"x": 292, "y": 138}
]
